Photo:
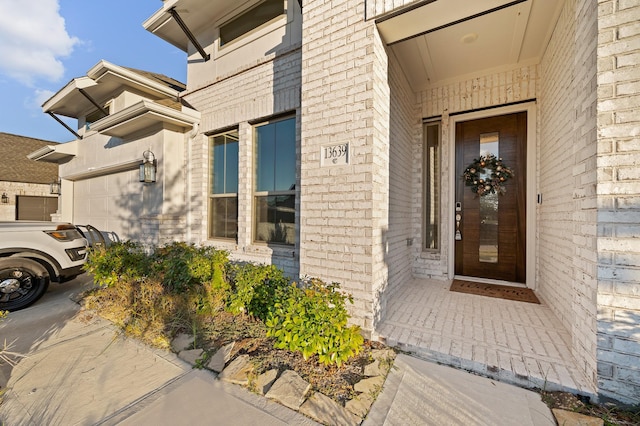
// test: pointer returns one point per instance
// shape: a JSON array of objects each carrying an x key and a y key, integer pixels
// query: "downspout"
[{"x": 192, "y": 134}]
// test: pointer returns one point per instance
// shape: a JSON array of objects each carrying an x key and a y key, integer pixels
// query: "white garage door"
[{"x": 111, "y": 203}]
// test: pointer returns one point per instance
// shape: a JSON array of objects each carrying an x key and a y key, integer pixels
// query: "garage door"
[
  {"x": 35, "y": 208},
  {"x": 111, "y": 203}
]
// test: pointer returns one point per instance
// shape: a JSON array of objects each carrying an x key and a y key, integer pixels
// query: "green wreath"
[{"x": 494, "y": 184}]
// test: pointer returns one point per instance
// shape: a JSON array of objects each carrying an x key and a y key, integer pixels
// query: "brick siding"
[{"x": 618, "y": 199}]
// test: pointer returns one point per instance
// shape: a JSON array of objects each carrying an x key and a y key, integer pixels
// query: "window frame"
[
  {"x": 432, "y": 190},
  {"x": 266, "y": 27},
  {"x": 211, "y": 195},
  {"x": 263, "y": 194}
]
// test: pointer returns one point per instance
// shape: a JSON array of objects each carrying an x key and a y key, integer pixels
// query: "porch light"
[
  {"x": 148, "y": 167},
  {"x": 5, "y": 198},
  {"x": 55, "y": 187}
]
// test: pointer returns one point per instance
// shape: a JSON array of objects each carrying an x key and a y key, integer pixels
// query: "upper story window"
[
  {"x": 94, "y": 116},
  {"x": 223, "y": 195},
  {"x": 251, "y": 19},
  {"x": 274, "y": 197}
]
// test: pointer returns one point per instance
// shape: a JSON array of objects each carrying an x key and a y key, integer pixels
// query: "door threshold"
[{"x": 490, "y": 281}]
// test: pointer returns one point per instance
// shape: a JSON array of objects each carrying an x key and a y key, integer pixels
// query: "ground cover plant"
[{"x": 182, "y": 288}]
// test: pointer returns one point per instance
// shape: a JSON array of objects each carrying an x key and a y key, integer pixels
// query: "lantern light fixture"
[
  {"x": 5, "y": 198},
  {"x": 148, "y": 168},
  {"x": 55, "y": 188}
]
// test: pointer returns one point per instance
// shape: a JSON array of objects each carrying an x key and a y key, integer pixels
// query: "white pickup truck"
[{"x": 34, "y": 253}]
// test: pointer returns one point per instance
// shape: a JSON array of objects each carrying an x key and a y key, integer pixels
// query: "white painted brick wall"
[
  {"x": 345, "y": 98},
  {"x": 239, "y": 100},
  {"x": 618, "y": 198},
  {"x": 404, "y": 200},
  {"x": 567, "y": 179}
]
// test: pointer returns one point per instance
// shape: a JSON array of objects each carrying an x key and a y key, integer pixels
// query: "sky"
[{"x": 44, "y": 44}]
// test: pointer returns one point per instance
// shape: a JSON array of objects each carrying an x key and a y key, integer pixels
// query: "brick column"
[
  {"x": 345, "y": 98},
  {"x": 618, "y": 249}
]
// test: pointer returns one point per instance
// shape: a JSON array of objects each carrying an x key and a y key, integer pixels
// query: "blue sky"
[{"x": 44, "y": 44}]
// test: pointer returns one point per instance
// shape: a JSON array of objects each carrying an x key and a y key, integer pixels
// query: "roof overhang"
[
  {"x": 196, "y": 15},
  {"x": 54, "y": 153},
  {"x": 101, "y": 82},
  {"x": 143, "y": 115}
]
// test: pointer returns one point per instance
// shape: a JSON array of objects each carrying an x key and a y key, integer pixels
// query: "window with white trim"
[
  {"x": 431, "y": 207},
  {"x": 275, "y": 181},
  {"x": 223, "y": 193}
]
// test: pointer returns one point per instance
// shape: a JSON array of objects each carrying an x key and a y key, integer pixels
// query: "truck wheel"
[{"x": 22, "y": 282}]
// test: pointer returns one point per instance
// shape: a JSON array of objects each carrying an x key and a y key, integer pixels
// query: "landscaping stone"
[
  {"x": 237, "y": 371},
  {"x": 265, "y": 380},
  {"x": 190, "y": 355},
  {"x": 374, "y": 369},
  {"x": 370, "y": 386},
  {"x": 383, "y": 354},
  {"x": 569, "y": 418},
  {"x": 360, "y": 405},
  {"x": 181, "y": 342},
  {"x": 289, "y": 390},
  {"x": 326, "y": 411},
  {"x": 220, "y": 358}
]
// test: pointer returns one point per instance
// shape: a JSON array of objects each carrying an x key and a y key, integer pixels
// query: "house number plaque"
[{"x": 335, "y": 155}]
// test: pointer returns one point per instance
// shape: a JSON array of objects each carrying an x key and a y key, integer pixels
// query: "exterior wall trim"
[{"x": 531, "y": 109}]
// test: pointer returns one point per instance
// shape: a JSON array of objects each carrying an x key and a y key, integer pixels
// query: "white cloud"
[{"x": 33, "y": 38}]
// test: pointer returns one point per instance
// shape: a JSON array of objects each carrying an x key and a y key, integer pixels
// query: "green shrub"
[
  {"x": 120, "y": 261},
  {"x": 256, "y": 289},
  {"x": 313, "y": 320},
  {"x": 183, "y": 266}
]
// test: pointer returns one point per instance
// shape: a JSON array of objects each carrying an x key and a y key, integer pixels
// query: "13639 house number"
[{"x": 335, "y": 155}]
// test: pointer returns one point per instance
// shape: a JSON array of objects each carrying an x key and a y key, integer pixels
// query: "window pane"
[
  {"x": 231, "y": 165},
  {"x": 432, "y": 185},
  {"x": 488, "y": 250},
  {"x": 275, "y": 219},
  {"x": 285, "y": 156},
  {"x": 224, "y": 217},
  {"x": 217, "y": 174},
  {"x": 224, "y": 174},
  {"x": 250, "y": 20},
  {"x": 265, "y": 161}
]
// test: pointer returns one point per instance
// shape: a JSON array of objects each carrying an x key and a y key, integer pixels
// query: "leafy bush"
[
  {"x": 183, "y": 266},
  {"x": 313, "y": 320},
  {"x": 121, "y": 261},
  {"x": 256, "y": 289}
]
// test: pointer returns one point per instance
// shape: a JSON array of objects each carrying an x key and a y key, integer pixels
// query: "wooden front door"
[{"x": 491, "y": 228}]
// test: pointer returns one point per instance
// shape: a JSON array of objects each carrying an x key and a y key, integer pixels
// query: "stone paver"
[
  {"x": 220, "y": 358},
  {"x": 517, "y": 342},
  {"x": 289, "y": 390},
  {"x": 237, "y": 372},
  {"x": 569, "y": 418}
]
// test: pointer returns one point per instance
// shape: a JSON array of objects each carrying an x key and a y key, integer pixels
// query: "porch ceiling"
[{"x": 446, "y": 40}]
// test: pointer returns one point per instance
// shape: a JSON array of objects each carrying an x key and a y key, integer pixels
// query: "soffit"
[
  {"x": 448, "y": 40},
  {"x": 196, "y": 14}
]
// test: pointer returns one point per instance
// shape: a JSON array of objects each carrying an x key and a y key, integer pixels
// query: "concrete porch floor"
[{"x": 514, "y": 342}]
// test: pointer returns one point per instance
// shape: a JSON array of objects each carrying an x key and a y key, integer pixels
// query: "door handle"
[{"x": 458, "y": 219}]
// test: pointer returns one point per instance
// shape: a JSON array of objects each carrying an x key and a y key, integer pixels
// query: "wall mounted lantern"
[
  {"x": 148, "y": 167},
  {"x": 55, "y": 187},
  {"x": 5, "y": 198}
]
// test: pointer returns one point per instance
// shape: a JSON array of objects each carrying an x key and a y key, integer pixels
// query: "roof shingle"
[{"x": 16, "y": 167}]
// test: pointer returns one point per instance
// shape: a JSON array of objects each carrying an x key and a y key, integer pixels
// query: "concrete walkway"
[{"x": 85, "y": 374}]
